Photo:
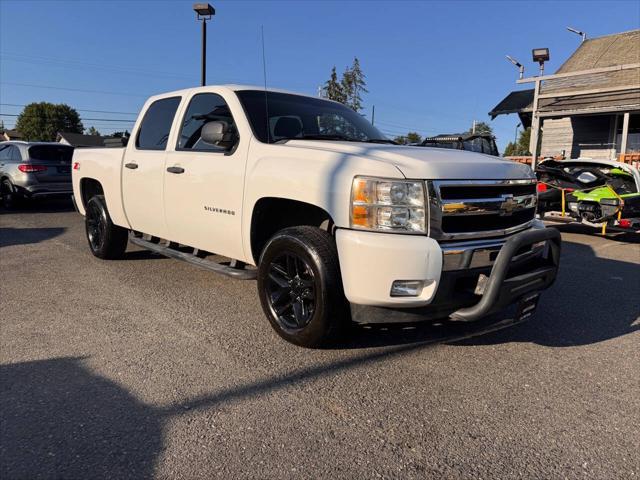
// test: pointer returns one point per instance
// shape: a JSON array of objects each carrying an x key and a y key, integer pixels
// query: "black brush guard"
[{"x": 502, "y": 290}]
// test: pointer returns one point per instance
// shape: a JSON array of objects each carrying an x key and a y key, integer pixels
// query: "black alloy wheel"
[
  {"x": 291, "y": 291},
  {"x": 106, "y": 240},
  {"x": 96, "y": 226},
  {"x": 300, "y": 286}
]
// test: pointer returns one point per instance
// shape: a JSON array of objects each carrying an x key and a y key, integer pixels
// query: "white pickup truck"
[{"x": 336, "y": 222}]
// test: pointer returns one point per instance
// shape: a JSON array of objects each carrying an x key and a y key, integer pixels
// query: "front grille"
[
  {"x": 483, "y": 223},
  {"x": 450, "y": 192},
  {"x": 476, "y": 209}
]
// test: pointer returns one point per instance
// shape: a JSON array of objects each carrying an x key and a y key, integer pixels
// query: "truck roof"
[{"x": 230, "y": 87}]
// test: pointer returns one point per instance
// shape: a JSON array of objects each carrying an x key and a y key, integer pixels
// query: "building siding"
[{"x": 588, "y": 136}]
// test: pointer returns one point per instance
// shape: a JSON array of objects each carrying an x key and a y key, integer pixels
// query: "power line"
[
  {"x": 73, "y": 89},
  {"x": 78, "y": 109},
  {"x": 81, "y": 118},
  {"x": 38, "y": 60}
]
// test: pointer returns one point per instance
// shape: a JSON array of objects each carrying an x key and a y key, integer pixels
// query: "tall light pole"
[
  {"x": 204, "y": 12},
  {"x": 515, "y": 138}
]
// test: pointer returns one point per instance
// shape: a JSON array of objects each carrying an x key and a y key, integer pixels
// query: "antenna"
[
  {"x": 517, "y": 64},
  {"x": 266, "y": 99},
  {"x": 578, "y": 32}
]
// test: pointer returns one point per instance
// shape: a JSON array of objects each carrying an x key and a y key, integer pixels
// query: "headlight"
[{"x": 388, "y": 205}]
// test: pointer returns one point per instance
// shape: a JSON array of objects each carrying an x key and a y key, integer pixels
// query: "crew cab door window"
[
  {"x": 156, "y": 124},
  {"x": 204, "y": 108}
]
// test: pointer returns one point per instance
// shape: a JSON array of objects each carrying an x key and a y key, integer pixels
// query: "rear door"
[
  {"x": 55, "y": 161},
  {"x": 143, "y": 169},
  {"x": 204, "y": 182}
]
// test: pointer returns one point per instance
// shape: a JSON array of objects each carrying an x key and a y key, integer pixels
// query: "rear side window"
[
  {"x": 156, "y": 124},
  {"x": 51, "y": 152},
  {"x": 15, "y": 154}
]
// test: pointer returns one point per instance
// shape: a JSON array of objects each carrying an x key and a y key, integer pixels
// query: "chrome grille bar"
[{"x": 487, "y": 208}]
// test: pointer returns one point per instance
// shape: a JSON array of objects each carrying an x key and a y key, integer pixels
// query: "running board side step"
[{"x": 240, "y": 274}]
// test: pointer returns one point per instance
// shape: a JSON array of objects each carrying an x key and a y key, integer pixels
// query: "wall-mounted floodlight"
[
  {"x": 578, "y": 32},
  {"x": 540, "y": 55},
  {"x": 517, "y": 64}
]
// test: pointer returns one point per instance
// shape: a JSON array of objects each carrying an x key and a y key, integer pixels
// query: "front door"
[
  {"x": 204, "y": 183},
  {"x": 143, "y": 171}
]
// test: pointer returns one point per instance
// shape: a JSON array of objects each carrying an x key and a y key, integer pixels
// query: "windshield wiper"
[
  {"x": 315, "y": 137},
  {"x": 381, "y": 140}
]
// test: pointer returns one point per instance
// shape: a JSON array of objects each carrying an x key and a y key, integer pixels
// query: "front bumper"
[{"x": 519, "y": 269}]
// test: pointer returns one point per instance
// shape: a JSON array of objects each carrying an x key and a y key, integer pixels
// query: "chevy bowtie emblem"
[{"x": 508, "y": 205}]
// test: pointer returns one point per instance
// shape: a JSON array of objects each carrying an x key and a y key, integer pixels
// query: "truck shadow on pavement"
[
  {"x": 60, "y": 420},
  {"x": 21, "y": 236},
  {"x": 594, "y": 299}
]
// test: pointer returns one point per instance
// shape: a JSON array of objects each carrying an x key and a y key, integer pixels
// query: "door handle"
[
  {"x": 175, "y": 170},
  {"x": 132, "y": 166}
]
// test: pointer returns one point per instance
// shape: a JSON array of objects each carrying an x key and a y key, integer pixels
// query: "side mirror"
[{"x": 214, "y": 132}]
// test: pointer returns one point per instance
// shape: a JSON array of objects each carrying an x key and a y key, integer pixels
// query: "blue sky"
[{"x": 432, "y": 67}]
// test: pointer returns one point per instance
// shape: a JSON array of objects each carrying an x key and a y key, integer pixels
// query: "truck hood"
[{"x": 426, "y": 162}]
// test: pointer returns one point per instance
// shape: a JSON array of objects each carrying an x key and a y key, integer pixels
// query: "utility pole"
[
  {"x": 473, "y": 128},
  {"x": 373, "y": 115},
  {"x": 204, "y": 12}
]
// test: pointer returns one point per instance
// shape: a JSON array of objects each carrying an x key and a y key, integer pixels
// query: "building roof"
[
  {"x": 616, "y": 90},
  {"x": 607, "y": 51},
  {"x": 11, "y": 134},
  {"x": 516, "y": 102},
  {"x": 80, "y": 140}
]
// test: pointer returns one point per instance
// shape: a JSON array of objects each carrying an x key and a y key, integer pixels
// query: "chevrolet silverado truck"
[{"x": 336, "y": 222}]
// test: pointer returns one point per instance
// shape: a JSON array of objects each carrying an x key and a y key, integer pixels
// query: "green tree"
[
  {"x": 414, "y": 137},
  {"x": 481, "y": 128},
  {"x": 42, "y": 121},
  {"x": 354, "y": 84},
  {"x": 411, "y": 137},
  {"x": 333, "y": 90},
  {"x": 93, "y": 131},
  {"x": 521, "y": 147},
  {"x": 349, "y": 89},
  {"x": 121, "y": 134}
]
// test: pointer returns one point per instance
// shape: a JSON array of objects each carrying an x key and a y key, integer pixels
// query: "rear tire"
[
  {"x": 300, "y": 286},
  {"x": 106, "y": 240},
  {"x": 11, "y": 199}
]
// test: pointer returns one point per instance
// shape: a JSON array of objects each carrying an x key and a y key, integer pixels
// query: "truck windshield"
[{"x": 299, "y": 117}]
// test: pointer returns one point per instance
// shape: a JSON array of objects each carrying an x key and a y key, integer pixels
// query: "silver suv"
[{"x": 34, "y": 169}]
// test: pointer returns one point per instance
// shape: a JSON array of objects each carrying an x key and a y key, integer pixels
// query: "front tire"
[
  {"x": 300, "y": 286},
  {"x": 106, "y": 240}
]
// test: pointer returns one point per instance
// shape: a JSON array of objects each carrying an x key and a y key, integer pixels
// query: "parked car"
[
  {"x": 33, "y": 170},
  {"x": 596, "y": 192},
  {"x": 336, "y": 222},
  {"x": 471, "y": 142}
]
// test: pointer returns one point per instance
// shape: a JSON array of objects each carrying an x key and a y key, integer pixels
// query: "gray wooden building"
[{"x": 590, "y": 107}]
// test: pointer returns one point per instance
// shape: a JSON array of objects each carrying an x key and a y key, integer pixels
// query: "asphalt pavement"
[{"x": 149, "y": 367}]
